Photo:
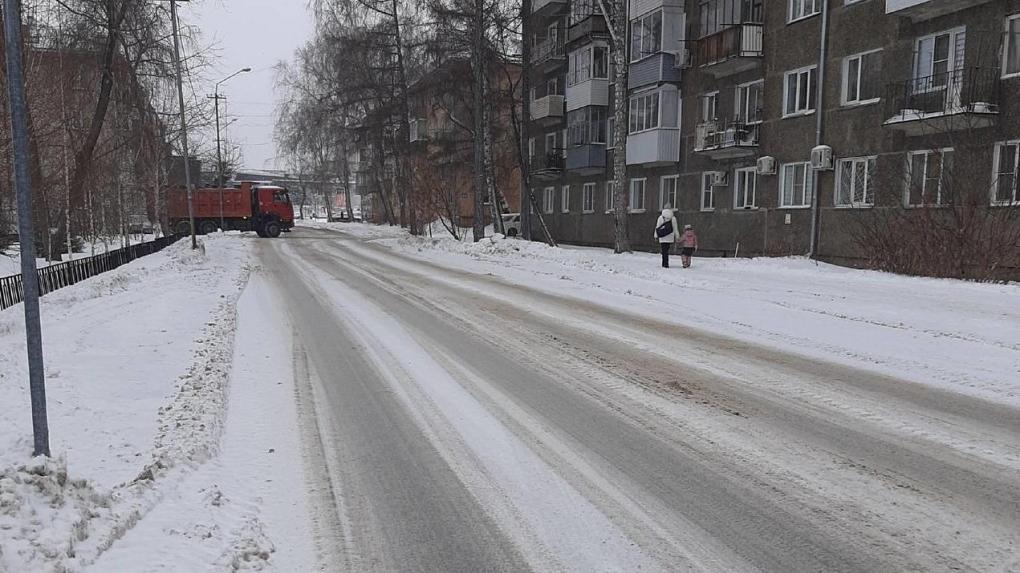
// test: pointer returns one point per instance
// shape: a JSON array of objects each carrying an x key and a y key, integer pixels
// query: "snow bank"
[{"x": 137, "y": 364}]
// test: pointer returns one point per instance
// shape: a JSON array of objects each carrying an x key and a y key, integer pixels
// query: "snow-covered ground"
[
  {"x": 956, "y": 335},
  {"x": 138, "y": 367}
]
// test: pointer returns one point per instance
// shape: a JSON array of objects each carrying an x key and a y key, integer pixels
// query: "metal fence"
[{"x": 58, "y": 276}]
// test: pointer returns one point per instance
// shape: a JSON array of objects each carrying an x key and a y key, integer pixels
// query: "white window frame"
[
  {"x": 531, "y": 147},
  {"x": 548, "y": 200},
  {"x": 588, "y": 198},
  {"x": 610, "y": 125},
  {"x": 740, "y": 108},
  {"x": 996, "y": 172},
  {"x": 1005, "y": 49},
  {"x": 846, "y": 80},
  {"x": 575, "y": 65},
  {"x": 910, "y": 176},
  {"x": 609, "y": 186},
  {"x": 740, "y": 177},
  {"x": 869, "y": 192},
  {"x": 807, "y": 183},
  {"x": 663, "y": 198},
  {"x": 641, "y": 53},
  {"x": 708, "y": 190},
  {"x": 631, "y": 204},
  {"x": 639, "y": 107},
  {"x": 951, "y": 63},
  {"x": 706, "y": 101},
  {"x": 811, "y": 92},
  {"x": 565, "y": 199},
  {"x": 796, "y": 9}
]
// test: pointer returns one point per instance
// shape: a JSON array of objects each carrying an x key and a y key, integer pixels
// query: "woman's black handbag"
[{"x": 664, "y": 229}]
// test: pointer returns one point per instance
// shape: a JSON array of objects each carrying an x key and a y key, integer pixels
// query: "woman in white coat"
[{"x": 666, "y": 232}]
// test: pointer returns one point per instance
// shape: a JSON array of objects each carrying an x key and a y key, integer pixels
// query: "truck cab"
[{"x": 272, "y": 209}]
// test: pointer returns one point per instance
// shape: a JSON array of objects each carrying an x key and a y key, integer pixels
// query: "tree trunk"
[
  {"x": 478, "y": 60},
  {"x": 619, "y": 23}
]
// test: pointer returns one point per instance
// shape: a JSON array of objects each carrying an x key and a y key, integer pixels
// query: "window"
[
  {"x": 709, "y": 107},
  {"x": 588, "y": 198},
  {"x": 645, "y": 35},
  {"x": 745, "y": 188},
  {"x": 610, "y": 200},
  {"x": 861, "y": 77},
  {"x": 803, "y": 8},
  {"x": 1004, "y": 191},
  {"x": 795, "y": 189},
  {"x": 800, "y": 92},
  {"x": 938, "y": 59},
  {"x": 853, "y": 189},
  {"x": 708, "y": 190},
  {"x": 644, "y": 112},
  {"x": 717, "y": 15},
  {"x": 637, "y": 195},
  {"x": 589, "y": 62},
  {"x": 531, "y": 148},
  {"x": 548, "y": 199},
  {"x": 565, "y": 199},
  {"x": 611, "y": 132},
  {"x": 586, "y": 125},
  {"x": 749, "y": 102},
  {"x": 1011, "y": 50},
  {"x": 667, "y": 192},
  {"x": 928, "y": 175},
  {"x": 551, "y": 143}
]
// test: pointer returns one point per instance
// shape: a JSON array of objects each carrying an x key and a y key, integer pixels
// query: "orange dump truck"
[{"x": 265, "y": 209}]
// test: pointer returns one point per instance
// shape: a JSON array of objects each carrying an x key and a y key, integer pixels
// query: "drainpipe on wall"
[{"x": 819, "y": 126}]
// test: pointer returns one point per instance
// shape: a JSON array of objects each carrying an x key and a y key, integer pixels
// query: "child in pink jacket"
[{"x": 688, "y": 244}]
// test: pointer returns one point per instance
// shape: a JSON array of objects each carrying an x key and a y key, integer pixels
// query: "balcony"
[
  {"x": 731, "y": 51},
  {"x": 546, "y": 8},
  {"x": 659, "y": 146},
  {"x": 548, "y": 55},
  {"x": 548, "y": 166},
  {"x": 921, "y": 10},
  {"x": 593, "y": 91},
  {"x": 727, "y": 139},
  {"x": 956, "y": 100},
  {"x": 547, "y": 110},
  {"x": 588, "y": 159},
  {"x": 639, "y": 7},
  {"x": 591, "y": 27},
  {"x": 652, "y": 70}
]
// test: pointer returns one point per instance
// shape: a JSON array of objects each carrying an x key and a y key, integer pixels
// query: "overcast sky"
[{"x": 255, "y": 34}]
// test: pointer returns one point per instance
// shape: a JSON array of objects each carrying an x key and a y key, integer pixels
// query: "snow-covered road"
[{"x": 469, "y": 422}]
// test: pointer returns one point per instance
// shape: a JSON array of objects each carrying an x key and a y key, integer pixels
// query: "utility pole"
[
  {"x": 26, "y": 238},
  {"x": 216, "y": 97},
  {"x": 184, "y": 123}
]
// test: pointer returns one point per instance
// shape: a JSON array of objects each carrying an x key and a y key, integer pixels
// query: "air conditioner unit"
[
  {"x": 719, "y": 179},
  {"x": 766, "y": 165},
  {"x": 682, "y": 59},
  {"x": 821, "y": 157}
]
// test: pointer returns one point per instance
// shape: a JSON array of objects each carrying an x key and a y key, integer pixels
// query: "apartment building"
[{"x": 727, "y": 123}]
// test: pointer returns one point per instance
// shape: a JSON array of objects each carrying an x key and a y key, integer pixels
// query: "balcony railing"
[
  {"x": 549, "y": 52},
  {"x": 971, "y": 92},
  {"x": 548, "y": 165},
  {"x": 725, "y": 134},
  {"x": 740, "y": 46},
  {"x": 547, "y": 7}
]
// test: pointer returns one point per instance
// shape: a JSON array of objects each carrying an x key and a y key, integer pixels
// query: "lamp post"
[
  {"x": 219, "y": 152},
  {"x": 184, "y": 123}
]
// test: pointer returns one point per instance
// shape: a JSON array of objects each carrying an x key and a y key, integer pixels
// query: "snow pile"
[{"x": 137, "y": 369}]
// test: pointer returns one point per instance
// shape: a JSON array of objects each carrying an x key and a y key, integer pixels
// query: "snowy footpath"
[
  {"x": 153, "y": 467},
  {"x": 955, "y": 335}
]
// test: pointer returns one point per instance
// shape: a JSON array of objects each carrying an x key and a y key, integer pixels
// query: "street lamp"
[{"x": 219, "y": 151}]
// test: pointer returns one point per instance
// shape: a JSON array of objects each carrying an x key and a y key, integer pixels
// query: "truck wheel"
[
  {"x": 511, "y": 232},
  {"x": 207, "y": 227},
  {"x": 260, "y": 232},
  {"x": 182, "y": 228},
  {"x": 272, "y": 229}
]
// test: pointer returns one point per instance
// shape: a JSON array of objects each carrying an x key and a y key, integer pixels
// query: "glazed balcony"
[
  {"x": 592, "y": 91},
  {"x": 546, "y": 8},
  {"x": 652, "y": 70},
  {"x": 956, "y": 100},
  {"x": 730, "y": 51},
  {"x": 590, "y": 27},
  {"x": 658, "y": 146},
  {"x": 727, "y": 139}
]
